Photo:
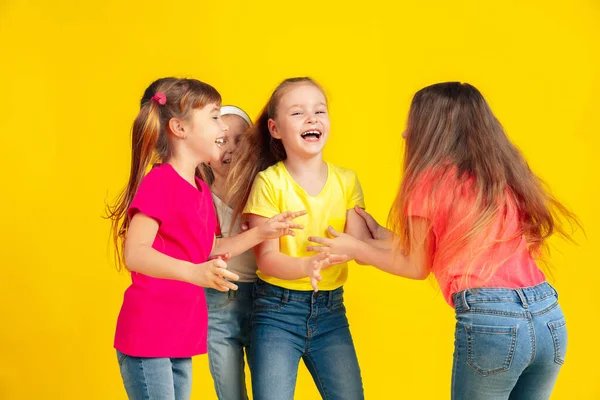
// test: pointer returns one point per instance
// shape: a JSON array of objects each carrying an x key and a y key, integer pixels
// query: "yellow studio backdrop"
[{"x": 72, "y": 74}]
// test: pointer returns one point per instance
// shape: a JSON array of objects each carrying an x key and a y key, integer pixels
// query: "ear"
[
  {"x": 178, "y": 128},
  {"x": 273, "y": 128}
]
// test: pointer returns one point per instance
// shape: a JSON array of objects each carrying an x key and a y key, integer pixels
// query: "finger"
[
  {"x": 338, "y": 259},
  {"x": 245, "y": 226},
  {"x": 219, "y": 263},
  {"x": 225, "y": 283},
  {"x": 221, "y": 288},
  {"x": 333, "y": 232},
  {"x": 318, "y": 249},
  {"x": 314, "y": 284},
  {"x": 290, "y": 232},
  {"x": 371, "y": 223},
  {"x": 296, "y": 214},
  {"x": 320, "y": 240},
  {"x": 227, "y": 274},
  {"x": 295, "y": 226},
  {"x": 283, "y": 216}
]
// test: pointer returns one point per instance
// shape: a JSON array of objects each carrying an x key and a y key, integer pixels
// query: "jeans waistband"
[
  {"x": 465, "y": 298},
  {"x": 262, "y": 288}
]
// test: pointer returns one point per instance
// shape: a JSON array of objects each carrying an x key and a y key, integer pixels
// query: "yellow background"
[{"x": 71, "y": 77}]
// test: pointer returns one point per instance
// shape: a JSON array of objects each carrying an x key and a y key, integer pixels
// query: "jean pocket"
[
  {"x": 490, "y": 349},
  {"x": 558, "y": 330},
  {"x": 268, "y": 302},
  {"x": 337, "y": 305},
  {"x": 216, "y": 300}
]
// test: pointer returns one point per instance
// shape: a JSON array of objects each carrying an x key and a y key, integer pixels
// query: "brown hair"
[
  {"x": 150, "y": 141},
  {"x": 259, "y": 150},
  {"x": 452, "y": 131}
]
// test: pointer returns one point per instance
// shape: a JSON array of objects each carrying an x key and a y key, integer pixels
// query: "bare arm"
[
  {"x": 272, "y": 262},
  {"x": 415, "y": 264},
  {"x": 142, "y": 258},
  {"x": 272, "y": 228}
]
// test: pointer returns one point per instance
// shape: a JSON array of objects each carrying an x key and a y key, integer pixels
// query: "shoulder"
[
  {"x": 346, "y": 175},
  {"x": 273, "y": 174}
]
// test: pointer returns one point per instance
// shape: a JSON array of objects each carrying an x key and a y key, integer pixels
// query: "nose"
[{"x": 224, "y": 126}]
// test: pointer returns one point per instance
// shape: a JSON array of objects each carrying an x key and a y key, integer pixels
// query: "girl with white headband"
[{"x": 229, "y": 313}]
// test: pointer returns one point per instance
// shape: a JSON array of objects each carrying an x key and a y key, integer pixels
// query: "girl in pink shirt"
[
  {"x": 470, "y": 211},
  {"x": 164, "y": 232}
]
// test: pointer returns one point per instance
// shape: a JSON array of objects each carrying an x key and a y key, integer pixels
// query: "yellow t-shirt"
[{"x": 275, "y": 191}]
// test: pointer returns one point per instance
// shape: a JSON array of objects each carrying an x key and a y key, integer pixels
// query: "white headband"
[{"x": 233, "y": 110}]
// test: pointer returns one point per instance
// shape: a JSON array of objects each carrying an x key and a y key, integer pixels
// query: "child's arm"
[
  {"x": 415, "y": 265},
  {"x": 272, "y": 228},
  {"x": 274, "y": 263},
  {"x": 142, "y": 258}
]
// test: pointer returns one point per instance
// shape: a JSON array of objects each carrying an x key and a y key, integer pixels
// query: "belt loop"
[
  {"x": 232, "y": 294},
  {"x": 553, "y": 289},
  {"x": 463, "y": 299},
  {"x": 330, "y": 299},
  {"x": 522, "y": 297},
  {"x": 286, "y": 295}
]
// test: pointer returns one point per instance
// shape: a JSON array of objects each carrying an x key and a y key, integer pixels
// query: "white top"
[{"x": 245, "y": 264}]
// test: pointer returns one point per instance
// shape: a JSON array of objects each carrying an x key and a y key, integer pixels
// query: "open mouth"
[
  {"x": 226, "y": 161},
  {"x": 312, "y": 136},
  {"x": 221, "y": 141}
]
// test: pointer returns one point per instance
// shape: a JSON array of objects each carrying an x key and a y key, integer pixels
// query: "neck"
[
  {"x": 218, "y": 186},
  {"x": 184, "y": 167},
  {"x": 305, "y": 165}
]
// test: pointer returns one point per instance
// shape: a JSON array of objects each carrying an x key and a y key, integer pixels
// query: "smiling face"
[
  {"x": 237, "y": 128},
  {"x": 301, "y": 120},
  {"x": 204, "y": 127}
]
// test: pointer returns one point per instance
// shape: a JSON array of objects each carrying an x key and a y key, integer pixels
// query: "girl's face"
[
  {"x": 205, "y": 127},
  {"x": 302, "y": 121},
  {"x": 235, "y": 133}
]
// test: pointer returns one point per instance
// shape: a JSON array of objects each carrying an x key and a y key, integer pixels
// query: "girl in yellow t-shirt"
[{"x": 281, "y": 167}]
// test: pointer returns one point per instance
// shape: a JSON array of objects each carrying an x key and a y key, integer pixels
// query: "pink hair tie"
[{"x": 160, "y": 98}]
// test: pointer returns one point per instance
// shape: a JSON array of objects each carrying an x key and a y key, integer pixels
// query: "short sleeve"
[
  {"x": 151, "y": 197},
  {"x": 355, "y": 196},
  {"x": 262, "y": 199}
]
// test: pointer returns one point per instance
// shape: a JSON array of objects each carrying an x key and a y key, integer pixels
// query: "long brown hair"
[
  {"x": 150, "y": 141},
  {"x": 453, "y": 134},
  {"x": 259, "y": 150}
]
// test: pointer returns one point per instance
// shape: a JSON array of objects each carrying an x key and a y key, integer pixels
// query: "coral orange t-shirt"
[{"x": 498, "y": 257}]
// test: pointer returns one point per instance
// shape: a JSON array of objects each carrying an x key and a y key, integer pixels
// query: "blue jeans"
[
  {"x": 289, "y": 325},
  {"x": 509, "y": 343},
  {"x": 228, "y": 336},
  {"x": 156, "y": 378}
]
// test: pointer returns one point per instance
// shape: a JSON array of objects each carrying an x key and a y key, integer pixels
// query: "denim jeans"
[
  {"x": 509, "y": 343},
  {"x": 156, "y": 378},
  {"x": 228, "y": 337},
  {"x": 289, "y": 325}
]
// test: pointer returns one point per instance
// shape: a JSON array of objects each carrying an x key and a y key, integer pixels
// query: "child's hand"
[
  {"x": 313, "y": 266},
  {"x": 280, "y": 225},
  {"x": 213, "y": 274},
  {"x": 342, "y": 244},
  {"x": 378, "y": 232}
]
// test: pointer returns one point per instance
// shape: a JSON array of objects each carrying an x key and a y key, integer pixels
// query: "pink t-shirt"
[
  {"x": 497, "y": 258},
  {"x": 161, "y": 317}
]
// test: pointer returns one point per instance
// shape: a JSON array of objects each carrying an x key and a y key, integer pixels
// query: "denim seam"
[
  {"x": 145, "y": 385},
  {"x": 218, "y": 307},
  {"x": 495, "y": 312},
  {"x": 545, "y": 310},
  {"x": 532, "y": 338},
  {"x": 122, "y": 358},
  {"x": 553, "y": 326},
  {"x": 318, "y": 377}
]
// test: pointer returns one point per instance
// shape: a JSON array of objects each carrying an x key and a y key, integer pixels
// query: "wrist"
[{"x": 187, "y": 271}]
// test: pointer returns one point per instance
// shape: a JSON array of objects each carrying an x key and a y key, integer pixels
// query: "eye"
[
  {"x": 321, "y": 112},
  {"x": 297, "y": 113}
]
